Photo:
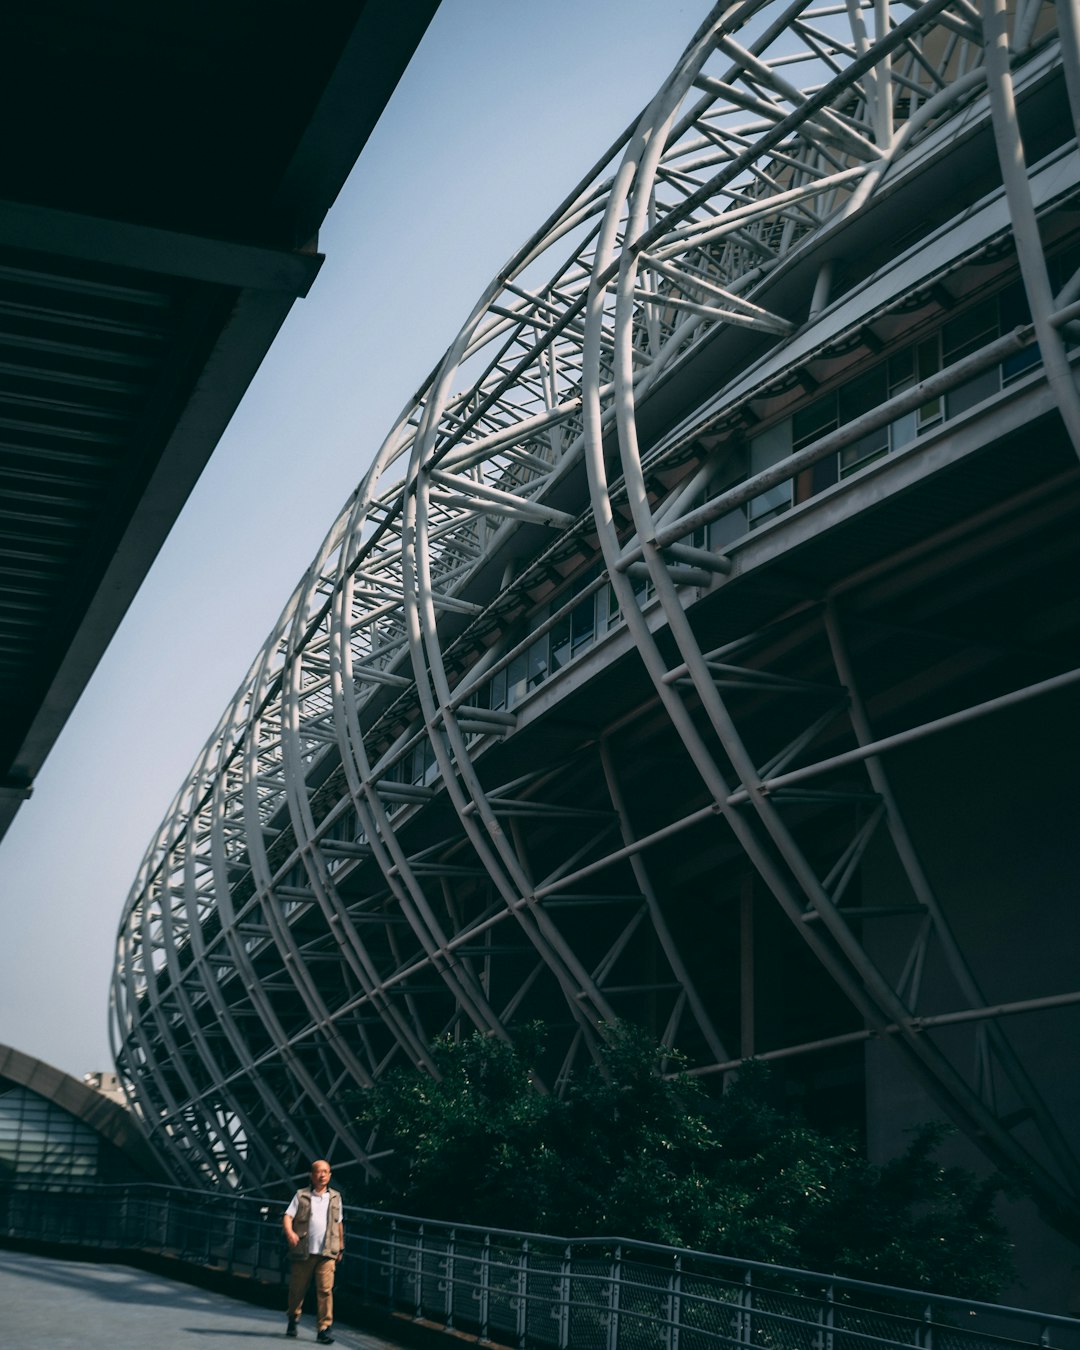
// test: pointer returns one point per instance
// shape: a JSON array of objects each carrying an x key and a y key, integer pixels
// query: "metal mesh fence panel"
[
  {"x": 544, "y": 1305},
  {"x": 590, "y": 1303}
]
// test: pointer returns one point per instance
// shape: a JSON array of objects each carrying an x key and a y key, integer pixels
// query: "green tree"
[
  {"x": 472, "y": 1143},
  {"x": 628, "y": 1152}
]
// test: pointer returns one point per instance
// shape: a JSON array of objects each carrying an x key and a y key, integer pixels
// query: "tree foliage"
[{"x": 627, "y": 1152}]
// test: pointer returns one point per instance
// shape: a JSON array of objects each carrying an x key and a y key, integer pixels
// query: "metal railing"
[{"x": 522, "y": 1289}]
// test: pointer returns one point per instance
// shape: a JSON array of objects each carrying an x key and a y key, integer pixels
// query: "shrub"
[{"x": 627, "y": 1152}]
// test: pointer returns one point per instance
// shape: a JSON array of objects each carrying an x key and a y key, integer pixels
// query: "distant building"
[
  {"x": 108, "y": 1084},
  {"x": 56, "y": 1131},
  {"x": 709, "y": 660}
]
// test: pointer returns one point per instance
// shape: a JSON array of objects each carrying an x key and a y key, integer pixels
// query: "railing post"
[
  {"x": 522, "y": 1318},
  {"x": 826, "y": 1312},
  {"x": 367, "y": 1247},
  {"x": 564, "y": 1300},
  {"x": 393, "y": 1262},
  {"x": 260, "y": 1224},
  {"x": 451, "y": 1253},
  {"x": 614, "y": 1293},
  {"x": 928, "y": 1327},
  {"x": 746, "y": 1334},
  {"x": 674, "y": 1304},
  {"x": 485, "y": 1286},
  {"x": 418, "y": 1294}
]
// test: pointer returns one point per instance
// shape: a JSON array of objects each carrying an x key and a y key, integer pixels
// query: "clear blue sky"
[{"x": 506, "y": 104}]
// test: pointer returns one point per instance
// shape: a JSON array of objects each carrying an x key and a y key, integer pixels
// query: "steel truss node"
[{"x": 425, "y": 809}]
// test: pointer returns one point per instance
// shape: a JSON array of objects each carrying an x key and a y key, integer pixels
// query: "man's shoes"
[
  {"x": 324, "y": 1337},
  {"x": 290, "y": 1329}
]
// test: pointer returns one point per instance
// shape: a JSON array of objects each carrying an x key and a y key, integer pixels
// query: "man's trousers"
[{"x": 322, "y": 1267}]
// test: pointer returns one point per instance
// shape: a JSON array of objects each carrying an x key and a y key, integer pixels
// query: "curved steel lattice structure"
[{"x": 583, "y": 684}]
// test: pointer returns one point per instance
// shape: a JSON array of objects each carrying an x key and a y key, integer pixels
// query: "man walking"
[{"x": 316, "y": 1238}]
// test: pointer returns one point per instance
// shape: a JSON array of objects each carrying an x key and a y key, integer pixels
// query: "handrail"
[{"x": 531, "y": 1289}]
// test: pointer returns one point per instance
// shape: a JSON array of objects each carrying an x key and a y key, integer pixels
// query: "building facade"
[
  {"x": 56, "y": 1132},
  {"x": 700, "y": 648}
]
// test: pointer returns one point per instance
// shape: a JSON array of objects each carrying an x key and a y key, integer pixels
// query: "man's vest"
[{"x": 302, "y": 1220}]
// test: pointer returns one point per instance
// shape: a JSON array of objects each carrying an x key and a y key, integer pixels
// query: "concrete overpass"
[{"x": 166, "y": 173}]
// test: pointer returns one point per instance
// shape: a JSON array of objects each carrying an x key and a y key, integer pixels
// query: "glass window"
[
  {"x": 732, "y": 465},
  {"x": 431, "y": 768},
  {"x": 927, "y": 363},
  {"x": 808, "y": 425},
  {"x": 901, "y": 368},
  {"x": 765, "y": 450},
  {"x": 861, "y": 396},
  {"x": 642, "y": 589},
  {"x": 1062, "y": 266},
  {"x": 516, "y": 673},
  {"x": 961, "y": 336},
  {"x": 614, "y": 615},
  {"x": 423, "y": 762},
  {"x": 727, "y": 529},
  {"x": 39, "y": 1138},
  {"x": 582, "y": 625},
  {"x": 498, "y": 689},
  {"x": 969, "y": 331},
  {"x": 606, "y": 609},
  {"x": 903, "y": 431},
  {"x": 973, "y": 391},
  {"x": 536, "y": 659},
  {"x": 560, "y": 643},
  {"x": 1015, "y": 311}
]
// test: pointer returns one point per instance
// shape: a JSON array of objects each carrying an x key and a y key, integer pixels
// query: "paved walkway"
[{"x": 77, "y": 1305}]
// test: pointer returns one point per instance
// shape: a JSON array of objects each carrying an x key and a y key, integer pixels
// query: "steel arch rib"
[
  {"x": 723, "y": 179},
  {"x": 375, "y": 826},
  {"x": 656, "y": 916},
  {"x": 634, "y": 186},
  {"x": 464, "y": 786},
  {"x": 295, "y": 966},
  {"x": 393, "y": 862},
  {"x": 479, "y": 820},
  {"x": 175, "y": 1056}
]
